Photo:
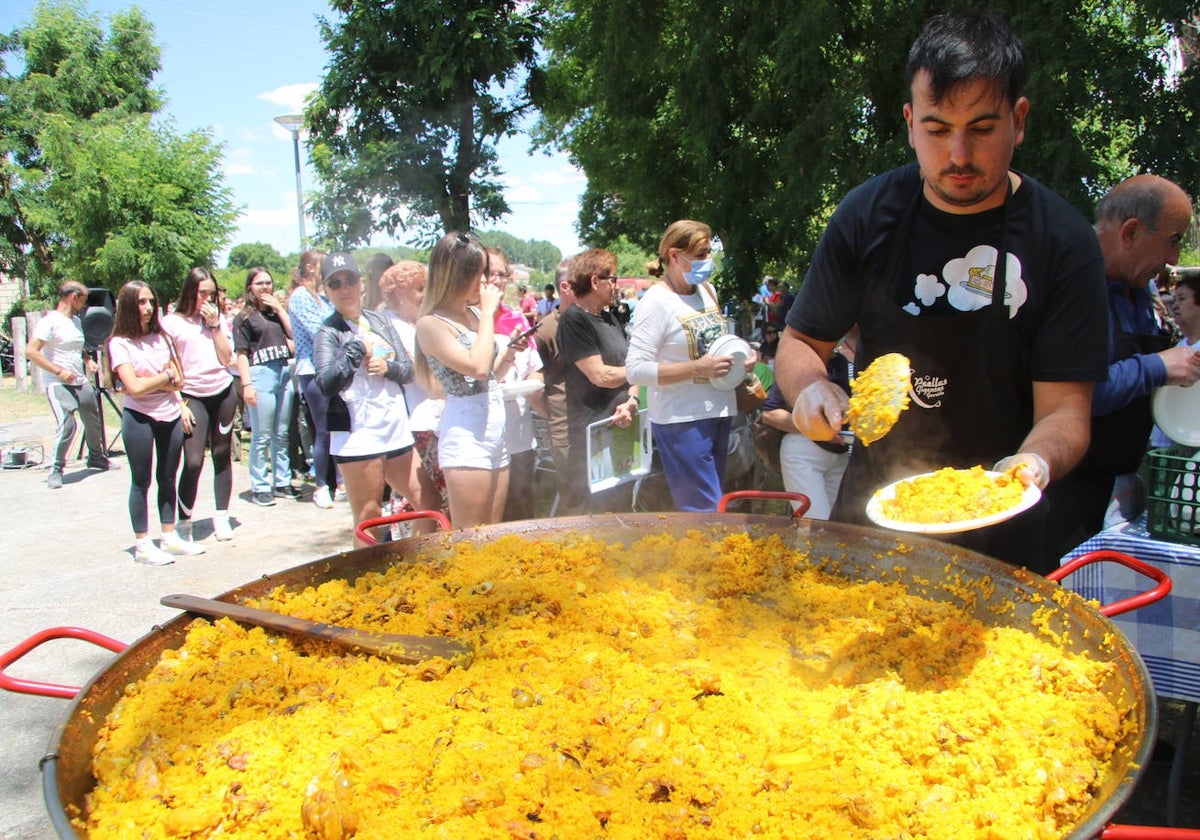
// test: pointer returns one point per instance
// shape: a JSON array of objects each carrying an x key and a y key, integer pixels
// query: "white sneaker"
[
  {"x": 321, "y": 498},
  {"x": 172, "y": 544},
  {"x": 148, "y": 554},
  {"x": 222, "y": 530},
  {"x": 339, "y": 495},
  {"x": 183, "y": 528}
]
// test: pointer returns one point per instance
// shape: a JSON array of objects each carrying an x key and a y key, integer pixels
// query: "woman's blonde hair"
[
  {"x": 685, "y": 234},
  {"x": 457, "y": 262}
]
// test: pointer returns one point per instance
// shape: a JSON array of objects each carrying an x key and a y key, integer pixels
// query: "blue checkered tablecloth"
[{"x": 1166, "y": 634}]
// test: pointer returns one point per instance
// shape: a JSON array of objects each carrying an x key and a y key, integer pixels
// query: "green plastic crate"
[{"x": 1173, "y": 494}]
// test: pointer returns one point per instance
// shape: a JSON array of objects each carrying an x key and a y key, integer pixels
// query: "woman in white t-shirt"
[
  {"x": 1184, "y": 306},
  {"x": 675, "y": 323},
  {"x": 143, "y": 357},
  {"x": 209, "y": 401},
  {"x": 361, "y": 366},
  {"x": 519, "y": 410},
  {"x": 403, "y": 288}
]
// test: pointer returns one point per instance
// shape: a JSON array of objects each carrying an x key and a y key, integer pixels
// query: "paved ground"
[{"x": 65, "y": 556}]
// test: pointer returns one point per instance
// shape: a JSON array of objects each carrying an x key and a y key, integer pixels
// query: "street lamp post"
[{"x": 293, "y": 123}]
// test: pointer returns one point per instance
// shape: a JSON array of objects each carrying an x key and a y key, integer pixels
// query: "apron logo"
[{"x": 926, "y": 389}]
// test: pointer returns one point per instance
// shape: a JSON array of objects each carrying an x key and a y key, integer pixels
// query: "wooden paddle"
[{"x": 402, "y": 648}]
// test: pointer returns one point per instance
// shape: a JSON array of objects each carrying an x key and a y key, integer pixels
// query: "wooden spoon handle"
[{"x": 403, "y": 648}]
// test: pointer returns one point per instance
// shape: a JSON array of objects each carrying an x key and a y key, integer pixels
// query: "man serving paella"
[{"x": 1003, "y": 379}]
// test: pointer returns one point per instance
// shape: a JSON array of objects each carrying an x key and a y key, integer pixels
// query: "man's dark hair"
[{"x": 954, "y": 48}]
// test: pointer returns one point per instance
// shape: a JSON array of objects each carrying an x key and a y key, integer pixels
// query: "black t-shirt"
[
  {"x": 580, "y": 335},
  {"x": 1055, "y": 275},
  {"x": 260, "y": 335}
]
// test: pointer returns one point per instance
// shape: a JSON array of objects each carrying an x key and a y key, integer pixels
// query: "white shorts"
[{"x": 471, "y": 433}]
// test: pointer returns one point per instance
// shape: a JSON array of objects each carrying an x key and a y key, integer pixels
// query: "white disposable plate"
[
  {"x": 1177, "y": 413},
  {"x": 875, "y": 511},
  {"x": 521, "y": 388},
  {"x": 730, "y": 345}
]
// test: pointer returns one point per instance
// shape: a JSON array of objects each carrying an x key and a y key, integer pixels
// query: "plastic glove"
[
  {"x": 820, "y": 410},
  {"x": 1033, "y": 469}
]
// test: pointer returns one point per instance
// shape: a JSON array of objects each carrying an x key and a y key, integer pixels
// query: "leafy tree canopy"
[
  {"x": 758, "y": 117},
  {"x": 403, "y": 127},
  {"x": 249, "y": 254},
  {"x": 88, "y": 187}
]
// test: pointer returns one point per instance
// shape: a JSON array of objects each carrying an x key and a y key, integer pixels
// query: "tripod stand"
[{"x": 103, "y": 395}]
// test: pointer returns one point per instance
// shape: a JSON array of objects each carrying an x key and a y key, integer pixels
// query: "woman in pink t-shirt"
[
  {"x": 209, "y": 401},
  {"x": 143, "y": 358}
]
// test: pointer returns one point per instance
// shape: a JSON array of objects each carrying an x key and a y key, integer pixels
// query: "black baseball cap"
[{"x": 337, "y": 263}]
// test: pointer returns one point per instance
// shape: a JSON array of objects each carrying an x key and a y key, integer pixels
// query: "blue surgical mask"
[{"x": 700, "y": 272}]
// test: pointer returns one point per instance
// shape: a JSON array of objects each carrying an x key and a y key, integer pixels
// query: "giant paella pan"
[{"x": 633, "y": 675}]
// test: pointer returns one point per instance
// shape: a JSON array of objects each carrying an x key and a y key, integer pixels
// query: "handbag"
[{"x": 750, "y": 394}]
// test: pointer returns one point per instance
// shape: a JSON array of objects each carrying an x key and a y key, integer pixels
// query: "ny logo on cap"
[{"x": 338, "y": 260}]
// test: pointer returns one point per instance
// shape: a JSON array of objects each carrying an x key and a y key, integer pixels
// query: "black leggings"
[
  {"x": 324, "y": 468},
  {"x": 213, "y": 430},
  {"x": 144, "y": 437}
]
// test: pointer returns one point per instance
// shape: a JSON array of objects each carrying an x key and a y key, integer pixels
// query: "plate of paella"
[{"x": 949, "y": 500}]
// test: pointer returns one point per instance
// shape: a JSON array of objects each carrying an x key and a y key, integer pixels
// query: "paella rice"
[
  {"x": 950, "y": 495},
  {"x": 677, "y": 687}
]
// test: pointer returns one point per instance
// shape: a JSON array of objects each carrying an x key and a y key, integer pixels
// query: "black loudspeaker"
[{"x": 97, "y": 318}]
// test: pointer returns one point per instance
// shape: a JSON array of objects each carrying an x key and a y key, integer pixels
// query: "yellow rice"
[
  {"x": 676, "y": 688},
  {"x": 951, "y": 495}
]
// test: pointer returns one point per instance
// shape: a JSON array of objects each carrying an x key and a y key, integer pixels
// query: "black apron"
[{"x": 970, "y": 397}]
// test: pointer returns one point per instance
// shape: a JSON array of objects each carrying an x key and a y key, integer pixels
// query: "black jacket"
[{"x": 337, "y": 355}]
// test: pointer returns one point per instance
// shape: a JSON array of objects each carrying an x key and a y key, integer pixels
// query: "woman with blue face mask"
[{"x": 674, "y": 324}]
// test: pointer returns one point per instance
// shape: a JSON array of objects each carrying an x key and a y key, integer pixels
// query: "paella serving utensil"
[
  {"x": 877, "y": 396},
  {"x": 401, "y": 648}
]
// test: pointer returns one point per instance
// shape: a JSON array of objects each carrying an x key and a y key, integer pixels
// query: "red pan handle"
[
  {"x": 767, "y": 495},
  {"x": 1160, "y": 590},
  {"x": 44, "y": 689},
  {"x": 361, "y": 531},
  {"x": 1149, "y": 832}
]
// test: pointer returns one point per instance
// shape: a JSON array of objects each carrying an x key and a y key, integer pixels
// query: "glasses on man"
[
  {"x": 612, "y": 278},
  {"x": 335, "y": 283}
]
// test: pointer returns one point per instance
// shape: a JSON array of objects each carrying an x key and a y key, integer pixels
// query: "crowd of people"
[{"x": 1035, "y": 341}]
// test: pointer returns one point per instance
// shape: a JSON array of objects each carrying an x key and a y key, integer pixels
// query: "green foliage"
[
  {"x": 88, "y": 187},
  {"x": 537, "y": 254},
  {"x": 403, "y": 127},
  {"x": 758, "y": 117},
  {"x": 246, "y": 255}
]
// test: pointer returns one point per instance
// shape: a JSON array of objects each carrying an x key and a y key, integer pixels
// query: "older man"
[
  {"x": 1140, "y": 224},
  {"x": 57, "y": 348}
]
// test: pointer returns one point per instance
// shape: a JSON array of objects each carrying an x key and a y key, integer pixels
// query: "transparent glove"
[
  {"x": 820, "y": 410},
  {"x": 1031, "y": 468}
]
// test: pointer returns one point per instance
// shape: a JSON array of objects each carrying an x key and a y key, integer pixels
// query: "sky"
[{"x": 231, "y": 67}]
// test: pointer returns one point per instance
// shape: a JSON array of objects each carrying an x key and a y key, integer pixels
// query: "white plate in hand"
[
  {"x": 521, "y": 388},
  {"x": 1177, "y": 412},
  {"x": 730, "y": 345},
  {"x": 875, "y": 511}
]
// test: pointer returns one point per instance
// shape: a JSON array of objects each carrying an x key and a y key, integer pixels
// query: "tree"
[
  {"x": 402, "y": 129},
  {"x": 537, "y": 254},
  {"x": 762, "y": 117},
  {"x": 249, "y": 254},
  {"x": 88, "y": 187}
]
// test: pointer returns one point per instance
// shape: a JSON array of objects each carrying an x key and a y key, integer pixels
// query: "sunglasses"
[{"x": 335, "y": 283}]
